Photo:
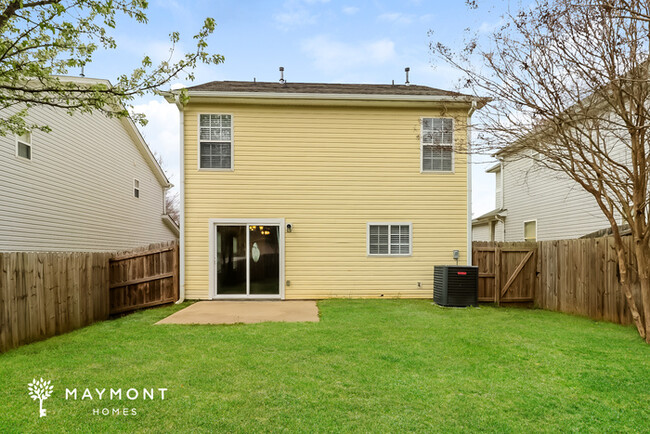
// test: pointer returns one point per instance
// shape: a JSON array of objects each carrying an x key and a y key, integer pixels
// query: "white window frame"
[
  {"x": 524, "y": 229},
  {"x": 453, "y": 146},
  {"x": 232, "y": 144},
  {"x": 136, "y": 187},
  {"x": 31, "y": 148},
  {"x": 409, "y": 224}
]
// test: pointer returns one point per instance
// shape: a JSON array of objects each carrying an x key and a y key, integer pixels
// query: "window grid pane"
[
  {"x": 437, "y": 144},
  {"x": 215, "y": 136},
  {"x": 389, "y": 240},
  {"x": 437, "y": 158}
]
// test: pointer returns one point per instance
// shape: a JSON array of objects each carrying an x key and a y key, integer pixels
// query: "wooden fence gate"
[
  {"x": 145, "y": 278},
  {"x": 507, "y": 273}
]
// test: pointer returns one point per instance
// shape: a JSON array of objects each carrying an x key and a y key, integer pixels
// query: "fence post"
[
  {"x": 538, "y": 272},
  {"x": 497, "y": 275}
]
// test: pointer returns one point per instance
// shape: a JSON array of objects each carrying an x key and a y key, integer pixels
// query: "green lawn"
[{"x": 369, "y": 365}]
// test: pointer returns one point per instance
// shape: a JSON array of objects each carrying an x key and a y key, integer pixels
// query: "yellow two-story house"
[{"x": 308, "y": 190}]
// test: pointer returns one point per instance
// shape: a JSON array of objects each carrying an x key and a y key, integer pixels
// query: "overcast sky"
[{"x": 315, "y": 40}]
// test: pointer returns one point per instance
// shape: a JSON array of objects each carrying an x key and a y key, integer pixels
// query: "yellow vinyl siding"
[{"x": 329, "y": 171}]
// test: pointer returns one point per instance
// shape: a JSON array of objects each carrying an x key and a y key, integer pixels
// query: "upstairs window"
[
  {"x": 136, "y": 188},
  {"x": 392, "y": 239},
  {"x": 437, "y": 144},
  {"x": 215, "y": 141},
  {"x": 24, "y": 145}
]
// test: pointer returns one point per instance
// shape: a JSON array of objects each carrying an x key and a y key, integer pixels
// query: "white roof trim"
[
  {"x": 171, "y": 224},
  {"x": 83, "y": 80},
  {"x": 336, "y": 96}
]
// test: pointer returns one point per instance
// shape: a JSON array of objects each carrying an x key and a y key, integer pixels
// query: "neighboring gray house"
[
  {"x": 534, "y": 203},
  {"x": 91, "y": 184}
]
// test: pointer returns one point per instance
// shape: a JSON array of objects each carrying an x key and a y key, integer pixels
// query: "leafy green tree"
[{"x": 42, "y": 40}]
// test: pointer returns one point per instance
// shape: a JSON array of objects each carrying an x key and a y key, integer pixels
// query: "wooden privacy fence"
[
  {"x": 144, "y": 278},
  {"x": 574, "y": 276},
  {"x": 582, "y": 277},
  {"x": 46, "y": 294}
]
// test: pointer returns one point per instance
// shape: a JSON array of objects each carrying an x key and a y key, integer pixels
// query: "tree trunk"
[
  {"x": 642, "y": 251},
  {"x": 627, "y": 291}
]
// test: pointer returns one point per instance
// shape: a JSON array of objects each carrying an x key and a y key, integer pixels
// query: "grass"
[{"x": 369, "y": 365}]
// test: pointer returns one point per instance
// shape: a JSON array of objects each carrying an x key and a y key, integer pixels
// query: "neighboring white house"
[
  {"x": 536, "y": 204},
  {"x": 91, "y": 184}
]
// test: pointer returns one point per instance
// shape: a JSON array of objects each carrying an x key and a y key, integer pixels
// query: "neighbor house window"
[
  {"x": 136, "y": 188},
  {"x": 389, "y": 238},
  {"x": 24, "y": 145},
  {"x": 215, "y": 141},
  {"x": 437, "y": 144},
  {"x": 530, "y": 231}
]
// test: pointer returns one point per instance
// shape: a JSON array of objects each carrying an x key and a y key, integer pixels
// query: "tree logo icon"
[{"x": 40, "y": 390}]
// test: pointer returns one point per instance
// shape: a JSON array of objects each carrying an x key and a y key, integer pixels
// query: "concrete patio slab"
[{"x": 248, "y": 312}]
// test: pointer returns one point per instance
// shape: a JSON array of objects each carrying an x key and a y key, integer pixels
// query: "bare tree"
[
  {"x": 172, "y": 205},
  {"x": 569, "y": 81},
  {"x": 172, "y": 200}
]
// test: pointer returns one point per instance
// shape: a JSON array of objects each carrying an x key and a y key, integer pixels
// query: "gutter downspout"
[
  {"x": 503, "y": 227},
  {"x": 165, "y": 190},
  {"x": 469, "y": 182},
  {"x": 181, "y": 240},
  {"x": 501, "y": 182},
  {"x": 503, "y": 205}
]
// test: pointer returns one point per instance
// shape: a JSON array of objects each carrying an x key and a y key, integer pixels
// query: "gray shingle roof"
[
  {"x": 322, "y": 88},
  {"x": 489, "y": 216}
]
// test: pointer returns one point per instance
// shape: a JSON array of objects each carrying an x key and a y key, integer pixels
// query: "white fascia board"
[
  {"x": 83, "y": 80},
  {"x": 171, "y": 224},
  {"x": 335, "y": 96}
]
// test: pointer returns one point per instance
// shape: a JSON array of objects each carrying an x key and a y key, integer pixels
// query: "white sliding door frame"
[{"x": 213, "y": 223}]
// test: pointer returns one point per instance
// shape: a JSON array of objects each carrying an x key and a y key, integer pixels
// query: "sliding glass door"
[
  {"x": 231, "y": 260},
  {"x": 248, "y": 260},
  {"x": 264, "y": 260}
]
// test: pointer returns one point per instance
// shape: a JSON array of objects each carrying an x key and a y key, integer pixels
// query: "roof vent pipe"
[
  {"x": 282, "y": 75},
  {"x": 407, "y": 69}
]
